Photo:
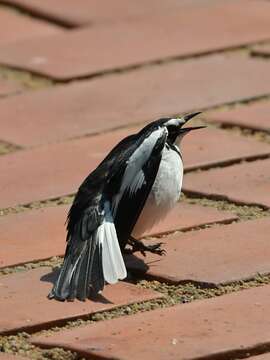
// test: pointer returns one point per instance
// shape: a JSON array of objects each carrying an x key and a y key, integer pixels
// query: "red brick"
[
  {"x": 236, "y": 322},
  {"x": 246, "y": 183},
  {"x": 15, "y": 27},
  {"x": 49, "y": 171},
  {"x": 32, "y": 235},
  {"x": 261, "y": 50},
  {"x": 69, "y": 55},
  {"x": 8, "y": 87},
  {"x": 24, "y": 302},
  {"x": 40, "y": 234},
  {"x": 255, "y": 116},
  {"x": 49, "y": 115},
  {"x": 186, "y": 216},
  {"x": 218, "y": 255},
  {"x": 210, "y": 147},
  {"x": 55, "y": 170},
  {"x": 6, "y": 356},
  {"x": 95, "y": 11}
]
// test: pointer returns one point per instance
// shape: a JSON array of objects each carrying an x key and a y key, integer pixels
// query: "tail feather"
[
  {"x": 98, "y": 280},
  {"x": 60, "y": 290},
  {"x": 112, "y": 260},
  {"x": 89, "y": 263},
  {"x": 79, "y": 272}
]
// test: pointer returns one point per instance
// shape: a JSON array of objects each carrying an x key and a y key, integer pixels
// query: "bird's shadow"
[
  {"x": 132, "y": 262},
  {"x": 52, "y": 276},
  {"x": 135, "y": 263}
]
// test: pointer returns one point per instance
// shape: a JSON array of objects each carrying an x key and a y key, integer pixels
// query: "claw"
[
  {"x": 138, "y": 245},
  {"x": 155, "y": 249},
  {"x": 143, "y": 253}
]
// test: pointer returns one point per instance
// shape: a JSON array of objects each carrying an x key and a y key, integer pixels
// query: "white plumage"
[
  {"x": 133, "y": 176},
  {"x": 114, "y": 268},
  {"x": 165, "y": 192}
]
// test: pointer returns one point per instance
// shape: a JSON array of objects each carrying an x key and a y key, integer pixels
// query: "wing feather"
[{"x": 136, "y": 181}]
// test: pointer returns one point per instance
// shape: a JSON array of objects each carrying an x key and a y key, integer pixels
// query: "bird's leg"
[{"x": 137, "y": 245}]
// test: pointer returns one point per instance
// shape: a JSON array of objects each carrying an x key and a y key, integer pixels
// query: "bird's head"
[{"x": 175, "y": 128}]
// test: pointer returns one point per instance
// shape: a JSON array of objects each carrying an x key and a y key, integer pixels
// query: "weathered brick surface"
[
  {"x": 32, "y": 235},
  {"x": 186, "y": 216},
  {"x": 24, "y": 302},
  {"x": 244, "y": 183},
  {"x": 255, "y": 116},
  {"x": 200, "y": 329},
  {"x": 47, "y": 172},
  {"x": 59, "y": 169},
  {"x": 6, "y": 356},
  {"x": 210, "y": 147},
  {"x": 8, "y": 87},
  {"x": 48, "y": 115},
  {"x": 70, "y": 54},
  {"x": 218, "y": 255},
  {"x": 66, "y": 56},
  {"x": 92, "y": 12},
  {"x": 15, "y": 27},
  {"x": 40, "y": 234}
]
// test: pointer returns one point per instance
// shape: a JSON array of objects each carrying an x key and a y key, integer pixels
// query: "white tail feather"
[{"x": 112, "y": 261}]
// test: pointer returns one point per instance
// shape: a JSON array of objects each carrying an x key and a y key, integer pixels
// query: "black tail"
[{"x": 81, "y": 274}]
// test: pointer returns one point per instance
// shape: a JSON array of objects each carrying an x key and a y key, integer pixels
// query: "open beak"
[
  {"x": 186, "y": 118},
  {"x": 187, "y": 129}
]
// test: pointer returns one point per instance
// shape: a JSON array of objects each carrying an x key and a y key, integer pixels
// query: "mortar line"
[{"x": 219, "y": 197}]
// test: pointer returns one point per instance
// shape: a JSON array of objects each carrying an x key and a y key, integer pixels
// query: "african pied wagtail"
[{"x": 134, "y": 187}]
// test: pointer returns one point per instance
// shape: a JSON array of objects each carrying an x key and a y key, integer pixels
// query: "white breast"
[{"x": 164, "y": 194}]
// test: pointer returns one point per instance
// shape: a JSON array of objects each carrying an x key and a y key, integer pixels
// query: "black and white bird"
[{"x": 134, "y": 187}]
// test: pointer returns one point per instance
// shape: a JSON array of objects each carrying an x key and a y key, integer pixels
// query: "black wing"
[
  {"x": 129, "y": 204},
  {"x": 90, "y": 191}
]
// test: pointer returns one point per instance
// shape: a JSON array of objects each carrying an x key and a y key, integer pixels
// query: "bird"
[{"x": 134, "y": 187}]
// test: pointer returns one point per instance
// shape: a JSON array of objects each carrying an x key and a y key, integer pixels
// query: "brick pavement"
[
  {"x": 58, "y": 168},
  {"x": 64, "y": 56},
  {"x": 24, "y": 27},
  {"x": 39, "y": 234},
  {"x": 8, "y": 87},
  {"x": 32, "y": 287},
  {"x": 246, "y": 183},
  {"x": 254, "y": 117},
  {"x": 193, "y": 331},
  {"x": 92, "y": 12},
  {"x": 226, "y": 254},
  {"x": 189, "y": 59},
  {"x": 97, "y": 107},
  {"x": 10, "y": 357}
]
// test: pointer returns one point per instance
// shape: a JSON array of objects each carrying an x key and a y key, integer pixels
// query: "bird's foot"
[{"x": 137, "y": 245}]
